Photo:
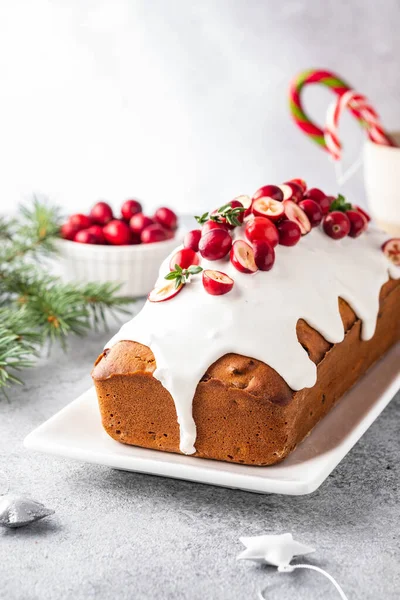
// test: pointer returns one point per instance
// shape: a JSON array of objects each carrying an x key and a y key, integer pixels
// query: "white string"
[{"x": 290, "y": 568}]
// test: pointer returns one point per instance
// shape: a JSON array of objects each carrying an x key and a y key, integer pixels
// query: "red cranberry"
[
  {"x": 245, "y": 201},
  {"x": 261, "y": 228},
  {"x": 289, "y": 233},
  {"x": 68, "y": 231},
  {"x": 269, "y": 191},
  {"x": 167, "y": 291},
  {"x": 216, "y": 283},
  {"x": 312, "y": 210},
  {"x": 184, "y": 258},
  {"x": 264, "y": 255},
  {"x": 80, "y": 221},
  {"x": 215, "y": 244},
  {"x": 85, "y": 237},
  {"x": 154, "y": 233},
  {"x": 358, "y": 223},
  {"x": 210, "y": 225},
  {"x": 336, "y": 224},
  {"x": 299, "y": 182},
  {"x": 236, "y": 204},
  {"x": 363, "y": 212},
  {"x": 117, "y": 233},
  {"x": 315, "y": 194},
  {"x": 101, "y": 213},
  {"x": 248, "y": 210},
  {"x": 268, "y": 208},
  {"x": 130, "y": 208},
  {"x": 297, "y": 214},
  {"x": 192, "y": 239},
  {"x": 170, "y": 233},
  {"x": 139, "y": 222},
  {"x": 242, "y": 257},
  {"x": 391, "y": 250},
  {"x": 325, "y": 203},
  {"x": 292, "y": 191},
  {"x": 135, "y": 239},
  {"x": 166, "y": 217},
  {"x": 97, "y": 231}
]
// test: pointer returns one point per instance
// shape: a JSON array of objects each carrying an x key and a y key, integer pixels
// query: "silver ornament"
[{"x": 16, "y": 511}]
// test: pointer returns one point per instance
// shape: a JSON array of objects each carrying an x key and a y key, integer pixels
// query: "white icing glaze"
[{"x": 258, "y": 317}]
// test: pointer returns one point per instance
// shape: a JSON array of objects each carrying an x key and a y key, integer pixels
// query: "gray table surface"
[{"x": 133, "y": 536}]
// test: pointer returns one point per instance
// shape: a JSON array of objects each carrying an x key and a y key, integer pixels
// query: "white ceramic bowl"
[{"x": 135, "y": 267}]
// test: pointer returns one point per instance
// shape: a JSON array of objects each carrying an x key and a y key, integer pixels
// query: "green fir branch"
[
  {"x": 6, "y": 226},
  {"x": 37, "y": 308},
  {"x": 58, "y": 311},
  {"x": 34, "y": 233},
  {"x": 18, "y": 344},
  {"x": 102, "y": 297}
]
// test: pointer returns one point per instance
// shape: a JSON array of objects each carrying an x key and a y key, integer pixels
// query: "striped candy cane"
[
  {"x": 370, "y": 120},
  {"x": 340, "y": 88},
  {"x": 302, "y": 120}
]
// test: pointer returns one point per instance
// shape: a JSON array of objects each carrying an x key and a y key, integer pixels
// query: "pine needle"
[
  {"x": 36, "y": 308},
  {"x": 18, "y": 344}
]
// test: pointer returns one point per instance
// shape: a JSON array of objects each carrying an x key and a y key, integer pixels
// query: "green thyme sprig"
[
  {"x": 340, "y": 204},
  {"x": 202, "y": 219},
  {"x": 182, "y": 276},
  {"x": 224, "y": 214}
]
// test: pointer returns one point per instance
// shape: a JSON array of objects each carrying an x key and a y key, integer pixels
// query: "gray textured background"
[
  {"x": 179, "y": 102},
  {"x": 131, "y": 536}
]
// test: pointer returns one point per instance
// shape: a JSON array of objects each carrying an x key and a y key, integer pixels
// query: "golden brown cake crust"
[{"x": 244, "y": 411}]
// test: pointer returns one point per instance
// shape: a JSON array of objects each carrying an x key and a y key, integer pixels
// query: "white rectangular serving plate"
[{"x": 76, "y": 432}]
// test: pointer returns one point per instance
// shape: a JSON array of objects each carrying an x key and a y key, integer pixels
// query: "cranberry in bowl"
[{"x": 125, "y": 246}]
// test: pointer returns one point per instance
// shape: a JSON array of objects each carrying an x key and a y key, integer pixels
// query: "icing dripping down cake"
[{"x": 244, "y": 376}]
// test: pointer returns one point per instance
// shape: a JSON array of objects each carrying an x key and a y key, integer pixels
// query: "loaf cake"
[{"x": 244, "y": 374}]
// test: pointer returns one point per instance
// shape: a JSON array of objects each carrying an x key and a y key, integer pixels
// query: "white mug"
[{"x": 382, "y": 183}]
